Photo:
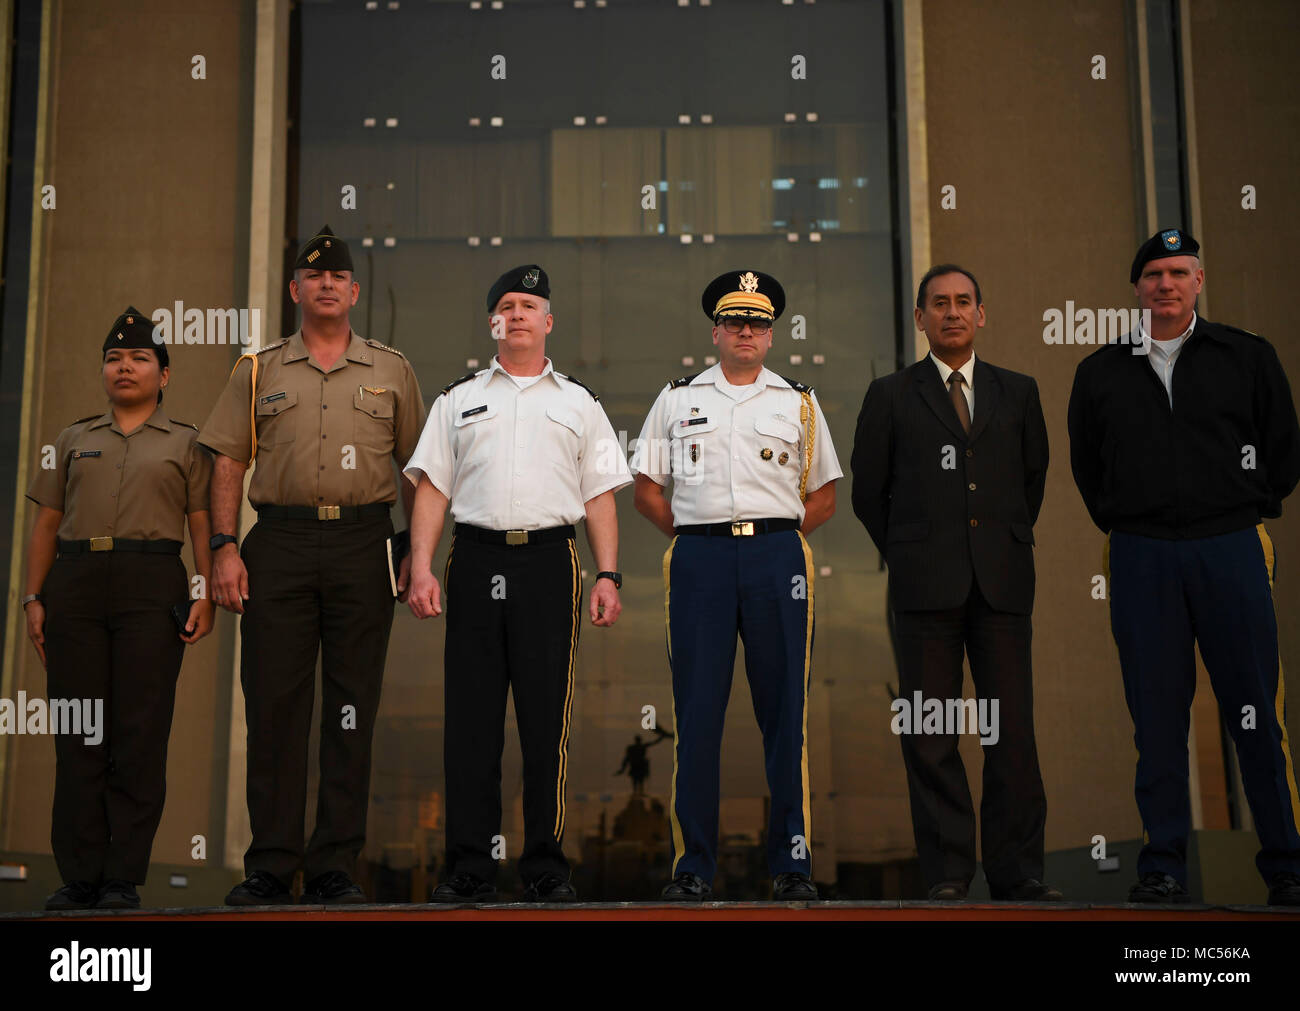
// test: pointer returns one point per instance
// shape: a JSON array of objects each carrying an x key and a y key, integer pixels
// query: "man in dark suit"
[{"x": 949, "y": 465}]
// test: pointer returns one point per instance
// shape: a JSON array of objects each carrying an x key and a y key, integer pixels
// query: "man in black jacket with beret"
[
  {"x": 949, "y": 466},
  {"x": 1182, "y": 439}
]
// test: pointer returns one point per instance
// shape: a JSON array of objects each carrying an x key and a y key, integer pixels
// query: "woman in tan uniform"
[{"x": 106, "y": 597}]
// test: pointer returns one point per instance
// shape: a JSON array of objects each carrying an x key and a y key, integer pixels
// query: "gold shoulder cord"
[
  {"x": 252, "y": 402},
  {"x": 807, "y": 418}
]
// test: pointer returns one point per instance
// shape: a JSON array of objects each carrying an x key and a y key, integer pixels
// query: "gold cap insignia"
[
  {"x": 327, "y": 243},
  {"x": 119, "y": 336},
  {"x": 314, "y": 253},
  {"x": 130, "y": 320},
  {"x": 749, "y": 281},
  {"x": 766, "y": 454}
]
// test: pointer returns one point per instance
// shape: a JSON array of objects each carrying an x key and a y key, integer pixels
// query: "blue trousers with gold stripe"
[
  {"x": 761, "y": 588},
  {"x": 1218, "y": 591}
]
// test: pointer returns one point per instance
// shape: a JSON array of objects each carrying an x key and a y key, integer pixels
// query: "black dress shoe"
[
  {"x": 1029, "y": 890},
  {"x": 261, "y": 888},
  {"x": 550, "y": 888},
  {"x": 332, "y": 889},
  {"x": 792, "y": 886},
  {"x": 1284, "y": 889},
  {"x": 687, "y": 888},
  {"x": 73, "y": 895},
  {"x": 464, "y": 888},
  {"x": 118, "y": 894},
  {"x": 1158, "y": 887},
  {"x": 948, "y": 891}
]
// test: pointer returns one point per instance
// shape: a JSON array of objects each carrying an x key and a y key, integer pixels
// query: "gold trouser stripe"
[
  {"x": 576, "y": 589},
  {"x": 679, "y": 845},
  {"x": 807, "y": 677},
  {"x": 1279, "y": 701}
]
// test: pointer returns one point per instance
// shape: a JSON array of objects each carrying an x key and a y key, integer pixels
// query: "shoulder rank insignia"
[
  {"x": 797, "y": 386},
  {"x": 456, "y": 382},
  {"x": 684, "y": 381},
  {"x": 184, "y": 424},
  {"x": 271, "y": 347},
  {"x": 579, "y": 382},
  {"x": 383, "y": 347}
]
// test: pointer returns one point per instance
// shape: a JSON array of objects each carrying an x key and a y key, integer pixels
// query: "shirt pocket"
[
  {"x": 471, "y": 425},
  {"x": 372, "y": 419},
  {"x": 276, "y": 418},
  {"x": 780, "y": 438},
  {"x": 693, "y": 440}
]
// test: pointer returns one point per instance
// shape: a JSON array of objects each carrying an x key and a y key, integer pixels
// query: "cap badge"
[
  {"x": 130, "y": 320},
  {"x": 1172, "y": 239},
  {"x": 749, "y": 281},
  {"x": 531, "y": 279},
  {"x": 119, "y": 336},
  {"x": 327, "y": 243}
]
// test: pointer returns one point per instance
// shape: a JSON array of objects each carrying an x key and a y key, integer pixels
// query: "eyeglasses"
[{"x": 758, "y": 327}]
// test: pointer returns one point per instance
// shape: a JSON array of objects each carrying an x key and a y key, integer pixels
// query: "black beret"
[
  {"x": 743, "y": 293},
  {"x": 324, "y": 251},
  {"x": 133, "y": 329},
  {"x": 1167, "y": 242},
  {"x": 529, "y": 279}
]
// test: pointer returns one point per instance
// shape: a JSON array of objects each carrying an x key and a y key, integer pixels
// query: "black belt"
[
  {"x": 740, "y": 528},
  {"x": 371, "y": 511},
  {"x": 119, "y": 544},
  {"x": 514, "y": 538}
]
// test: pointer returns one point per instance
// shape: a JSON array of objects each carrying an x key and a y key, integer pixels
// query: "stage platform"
[{"x": 615, "y": 912}]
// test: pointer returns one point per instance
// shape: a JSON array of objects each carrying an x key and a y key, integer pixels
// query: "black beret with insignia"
[
  {"x": 1166, "y": 242},
  {"x": 324, "y": 251},
  {"x": 746, "y": 293},
  {"x": 133, "y": 329},
  {"x": 529, "y": 279}
]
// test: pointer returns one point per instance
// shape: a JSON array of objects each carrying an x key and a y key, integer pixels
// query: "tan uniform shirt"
[
  {"x": 136, "y": 486},
  {"x": 323, "y": 437}
]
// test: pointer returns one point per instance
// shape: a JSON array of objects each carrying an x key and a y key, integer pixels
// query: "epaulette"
[
  {"x": 186, "y": 424},
  {"x": 684, "y": 381},
  {"x": 456, "y": 382},
  {"x": 797, "y": 386},
  {"x": 92, "y": 417},
  {"x": 383, "y": 347},
  {"x": 271, "y": 347},
  {"x": 578, "y": 382},
  {"x": 1237, "y": 329}
]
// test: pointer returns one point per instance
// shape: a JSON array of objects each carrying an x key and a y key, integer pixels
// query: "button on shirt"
[
  {"x": 138, "y": 485},
  {"x": 324, "y": 436},
  {"x": 733, "y": 452},
  {"x": 1163, "y": 354},
  {"x": 512, "y": 458},
  {"x": 967, "y": 373}
]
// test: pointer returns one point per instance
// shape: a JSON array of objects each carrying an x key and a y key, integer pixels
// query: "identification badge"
[
  {"x": 78, "y": 454},
  {"x": 473, "y": 411},
  {"x": 688, "y": 422},
  {"x": 271, "y": 398}
]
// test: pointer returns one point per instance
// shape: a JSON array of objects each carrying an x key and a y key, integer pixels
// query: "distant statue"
[{"x": 635, "y": 763}]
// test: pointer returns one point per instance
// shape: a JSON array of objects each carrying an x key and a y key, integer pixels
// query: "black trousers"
[
  {"x": 1013, "y": 810},
  {"x": 512, "y": 624},
  {"x": 314, "y": 587},
  {"x": 110, "y": 636}
]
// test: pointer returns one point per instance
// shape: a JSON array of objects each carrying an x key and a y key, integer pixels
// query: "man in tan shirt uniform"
[{"x": 332, "y": 410}]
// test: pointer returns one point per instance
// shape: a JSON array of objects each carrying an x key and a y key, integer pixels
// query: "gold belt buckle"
[
  {"x": 516, "y": 537},
  {"x": 327, "y": 512},
  {"x": 101, "y": 544},
  {"x": 742, "y": 529}
]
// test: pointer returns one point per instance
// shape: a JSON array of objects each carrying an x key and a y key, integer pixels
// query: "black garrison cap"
[
  {"x": 530, "y": 279},
  {"x": 324, "y": 251},
  {"x": 1167, "y": 242},
  {"x": 133, "y": 329}
]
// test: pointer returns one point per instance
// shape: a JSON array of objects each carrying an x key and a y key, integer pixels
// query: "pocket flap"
[
  {"x": 375, "y": 406},
  {"x": 778, "y": 428},
  {"x": 1022, "y": 532},
  {"x": 275, "y": 402},
  {"x": 568, "y": 418}
]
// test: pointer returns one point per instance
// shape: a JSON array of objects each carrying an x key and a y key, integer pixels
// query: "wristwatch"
[
  {"x": 29, "y": 598},
  {"x": 617, "y": 577},
  {"x": 217, "y": 540}
]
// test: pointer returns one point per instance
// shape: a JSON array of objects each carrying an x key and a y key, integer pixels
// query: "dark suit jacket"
[{"x": 936, "y": 526}]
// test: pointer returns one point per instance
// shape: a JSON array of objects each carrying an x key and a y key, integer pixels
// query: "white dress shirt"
[
  {"x": 710, "y": 437},
  {"x": 1163, "y": 354},
  {"x": 967, "y": 373},
  {"x": 518, "y": 459}
]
